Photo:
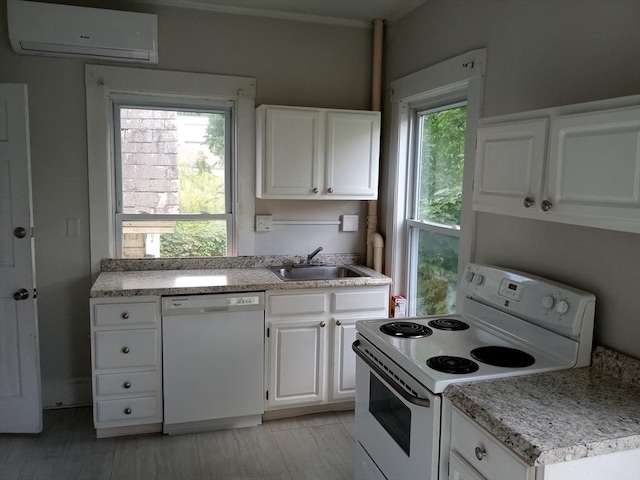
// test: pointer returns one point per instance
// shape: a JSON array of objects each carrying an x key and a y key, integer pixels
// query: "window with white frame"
[
  {"x": 173, "y": 179},
  {"x": 429, "y": 220},
  {"x": 435, "y": 209},
  {"x": 171, "y": 160}
]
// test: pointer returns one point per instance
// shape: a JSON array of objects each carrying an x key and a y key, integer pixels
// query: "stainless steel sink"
[{"x": 315, "y": 272}]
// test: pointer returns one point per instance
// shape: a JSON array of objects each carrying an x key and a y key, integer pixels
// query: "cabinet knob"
[
  {"x": 529, "y": 202},
  {"x": 125, "y": 350},
  {"x": 126, "y": 385},
  {"x": 338, "y": 322},
  {"x": 127, "y": 411},
  {"x": 330, "y": 190},
  {"x": 480, "y": 453},
  {"x": 546, "y": 205},
  {"x": 125, "y": 315},
  {"x": 315, "y": 190},
  {"x": 323, "y": 324}
]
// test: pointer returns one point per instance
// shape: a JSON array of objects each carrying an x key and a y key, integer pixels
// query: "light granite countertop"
[
  {"x": 128, "y": 278},
  {"x": 560, "y": 416}
]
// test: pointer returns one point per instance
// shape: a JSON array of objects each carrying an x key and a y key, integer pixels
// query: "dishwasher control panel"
[{"x": 223, "y": 301}]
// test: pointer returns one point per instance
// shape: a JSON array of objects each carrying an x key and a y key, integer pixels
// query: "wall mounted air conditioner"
[{"x": 37, "y": 28}]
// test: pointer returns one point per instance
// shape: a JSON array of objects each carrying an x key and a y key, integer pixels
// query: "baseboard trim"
[
  {"x": 298, "y": 411},
  {"x": 72, "y": 392}
]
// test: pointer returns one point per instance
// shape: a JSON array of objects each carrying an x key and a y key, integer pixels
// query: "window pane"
[
  {"x": 172, "y": 161},
  {"x": 436, "y": 273},
  {"x": 440, "y": 166},
  {"x": 167, "y": 238}
]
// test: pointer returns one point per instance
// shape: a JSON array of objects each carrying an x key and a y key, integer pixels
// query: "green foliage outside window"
[
  {"x": 440, "y": 201},
  {"x": 195, "y": 239}
]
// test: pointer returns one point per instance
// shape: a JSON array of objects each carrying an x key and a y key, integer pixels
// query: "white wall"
[
  {"x": 294, "y": 64},
  {"x": 543, "y": 53}
]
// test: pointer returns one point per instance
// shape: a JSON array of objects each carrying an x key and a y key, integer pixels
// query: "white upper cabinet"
[
  {"x": 509, "y": 160},
  {"x": 314, "y": 153},
  {"x": 594, "y": 169},
  {"x": 581, "y": 168}
]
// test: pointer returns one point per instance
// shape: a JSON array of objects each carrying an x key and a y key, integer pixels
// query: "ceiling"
[{"x": 341, "y": 12}]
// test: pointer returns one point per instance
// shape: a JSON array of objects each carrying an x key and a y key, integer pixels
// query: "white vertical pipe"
[
  {"x": 375, "y": 260},
  {"x": 376, "y": 74}
]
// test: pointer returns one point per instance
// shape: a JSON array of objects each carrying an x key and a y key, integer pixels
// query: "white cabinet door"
[
  {"x": 509, "y": 167},
  {"x": 593, "y": 177},
  {"x": 297, "y": 359},
  {"x": 352, "y": 153},
  {"x": 343, "y": 385},
  {"x": 292, "y": 151}
]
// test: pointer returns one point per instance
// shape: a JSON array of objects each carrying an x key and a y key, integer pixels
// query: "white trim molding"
[
  {"x": 458, "y": 78},
  {"x": 103, "y": 82}
]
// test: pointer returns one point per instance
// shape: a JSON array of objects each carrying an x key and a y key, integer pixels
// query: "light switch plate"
[
  {"x": 264, "y": 223},
  {"x": 350, "y": 223}
]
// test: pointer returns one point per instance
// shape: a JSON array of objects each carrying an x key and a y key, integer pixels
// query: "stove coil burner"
[
  {"x": 450, "y": 324},
  {"x": 406, "y": 330},
  {"x": 503, "y": 357},
  {"x": 457, "y": 365}
]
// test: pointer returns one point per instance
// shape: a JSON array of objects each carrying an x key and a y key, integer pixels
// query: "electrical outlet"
[
  {"x": 264, "y": 223},
  {"x": 350, "y": 223}
]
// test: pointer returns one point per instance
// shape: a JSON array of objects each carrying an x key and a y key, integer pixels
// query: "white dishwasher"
[{"x": 213, "y": 361}]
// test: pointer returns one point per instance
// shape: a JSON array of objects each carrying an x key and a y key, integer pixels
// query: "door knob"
[{"x": 21, "y": 294}]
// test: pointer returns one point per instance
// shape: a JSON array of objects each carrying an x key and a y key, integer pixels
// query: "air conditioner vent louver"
[{"x": 61, "y": 30}]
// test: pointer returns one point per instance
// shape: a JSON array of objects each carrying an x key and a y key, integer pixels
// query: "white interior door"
[{"x": 20, "y": 397}]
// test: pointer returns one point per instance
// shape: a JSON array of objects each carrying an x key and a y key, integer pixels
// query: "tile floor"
[{"x": 311, "y": 447}]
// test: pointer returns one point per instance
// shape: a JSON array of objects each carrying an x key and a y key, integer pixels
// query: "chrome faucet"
[{"x": 313, "y": 254}]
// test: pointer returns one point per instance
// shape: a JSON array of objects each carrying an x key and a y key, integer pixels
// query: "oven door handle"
[{"x": 421, "y": 402}]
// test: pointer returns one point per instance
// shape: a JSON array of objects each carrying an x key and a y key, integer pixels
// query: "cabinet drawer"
[
  {"x": 126, "y": 348},
  {"x": 125, "y": 314},
  {"x": 128, "y": 409},
  {"x": 307, "y": 303},
  {"x": 360, "y": 301},
  {"x": 496, "y": 462},
  {"x": 127, "y": 383}
]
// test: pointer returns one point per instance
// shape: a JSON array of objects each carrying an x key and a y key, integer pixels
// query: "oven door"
[{"x": 400, "y": 431}]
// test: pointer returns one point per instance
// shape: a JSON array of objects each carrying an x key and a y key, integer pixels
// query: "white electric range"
[{"x": 512, "y": 323}]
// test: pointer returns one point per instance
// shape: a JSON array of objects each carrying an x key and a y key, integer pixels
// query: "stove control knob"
[
  {"x": 478, "y": 279},
  {"x": 562, "y": 307},
  {"x": 548, "y": 302},
  {"x": 468, "y": 276}
]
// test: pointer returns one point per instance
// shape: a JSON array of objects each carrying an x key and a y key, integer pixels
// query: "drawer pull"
[
  {"x": 125, "y": 350},
  {"x": 126, "y": 385},
  {"x": 127, "y": 411},
  {"x": 125, "y": 315},
  {"x": 480, "y": 453}
]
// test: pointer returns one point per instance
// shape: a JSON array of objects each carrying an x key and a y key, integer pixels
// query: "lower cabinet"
[
  {"x": 476, "y": 455},
  {"x": 308, "y": 343},
  {"x": 126, "y": 365}
]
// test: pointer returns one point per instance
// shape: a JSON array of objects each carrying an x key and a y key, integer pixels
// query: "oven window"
[{"x": 393, "y": 415}]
